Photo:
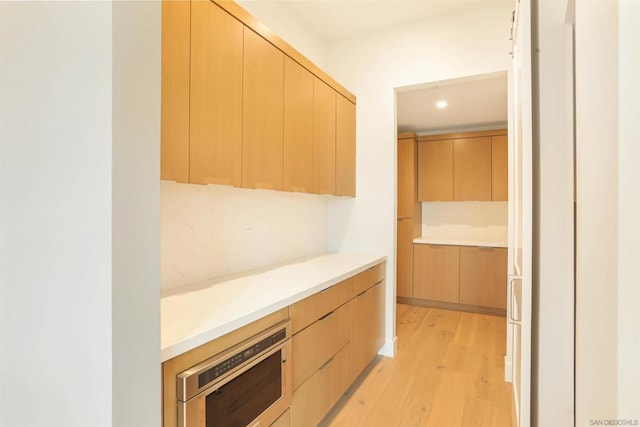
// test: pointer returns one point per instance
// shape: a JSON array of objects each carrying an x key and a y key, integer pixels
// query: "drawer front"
[
  {"x": 316, "y": 344},
  {"x": 283, "y": 420},
  {"x": 307, "y": 311},
  {"x": 368, "y": 278},
  {"x": 315, "y": 398}
]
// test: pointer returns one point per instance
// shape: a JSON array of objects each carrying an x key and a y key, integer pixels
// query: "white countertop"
[
  {"x": 462, "y": 241},
  {"x": 207, "y": 310}
]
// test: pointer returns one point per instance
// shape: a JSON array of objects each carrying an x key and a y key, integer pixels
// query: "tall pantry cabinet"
[{"x": 409, "y": 215}]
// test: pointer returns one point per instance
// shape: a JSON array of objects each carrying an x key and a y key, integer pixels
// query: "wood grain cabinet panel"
[
  {"x": 216, "y": 96},
  {"x": 404, "y": 268},
  {"x": 312, "y": 400},
  {"x": 435, "y": 170},
  {"x": 283, "y": 421},
  {"x": 483, "y": 276},
  {"x": 325, "y": 337},
  {"x": 262, "y": 113},
  {"x": 345, "y": 147},
  {"x": 298, "y": 127},
  {"x": 324, "y": 138},
  {"x": 472, "y": 168},
  {"x": 367, "y": 328},
  {"x": 407, "y": 178},
  {"x": 174, "y": 134},
  {"x": 436, "y": 272},
  {"x": 305, "y": 312},
  {"x": 366, "y": 279},
  {"x": 499, "y": 168}
]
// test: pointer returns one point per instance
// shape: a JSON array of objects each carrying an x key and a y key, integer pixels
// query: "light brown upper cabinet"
[
  {"x": 499, "y": 168},
  {"x": 472, "y": 168},
  {"x": 469, "y": 166},
  {"x": 174, "y": 133},
  {"x": 435, "y": 170},
  {"x": 262, "y": 113},
  {"x": 345, "y": 147},
  {"x": 216, "y": 96},
  {"x": 324, "y": 138},
  {"x": 298, "y": 127},
  {"x": 242, "y": 107},
  {"x": 483, "y": 276}
]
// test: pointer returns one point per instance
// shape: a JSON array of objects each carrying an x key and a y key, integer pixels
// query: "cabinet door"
[
  {"x": 298, "y": 127},
  {"x": 345, "y": 147},
  {"x": 324, "y": 138},
  {"x": 367, "y": 328},
  {"x": 407, "y": 165},
  {"x": 436, "y": 272},
  {"x": 404, "y": 267},
  {"x": 472, "y": 168},
  {"x": 262, "y": 113},
  {"x": 435, "y": 170},
  {"x": 483, "y": 276},
  {"x": 499, "y": 168},
  {"x": 216, "y": 96},
  {"x": 174, "y": 136}
]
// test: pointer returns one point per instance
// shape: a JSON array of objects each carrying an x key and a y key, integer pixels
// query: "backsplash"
[
  {"x": 476, "y": 220},
  {"x": 208, "y": 231}
]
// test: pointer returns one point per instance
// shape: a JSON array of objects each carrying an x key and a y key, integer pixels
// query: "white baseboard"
[
  {"x": 508, "y": 369},
  {"x": 390, "y": 348}
]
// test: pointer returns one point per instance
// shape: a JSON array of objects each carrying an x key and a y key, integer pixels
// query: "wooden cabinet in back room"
[
  {"x": 483, "y": 276},
  {"x": 435, "y": 170},
  {"x": 436, "y": 272},
  {"x": 472, "y": 168}
]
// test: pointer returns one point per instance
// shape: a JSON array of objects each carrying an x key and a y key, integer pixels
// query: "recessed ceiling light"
[{"x": 441, "y": 104}]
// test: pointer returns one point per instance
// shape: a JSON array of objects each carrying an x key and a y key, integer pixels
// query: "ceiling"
[
  {"x": 334, "y": 20},
  {"x": 472, "y": 104},
  {"x": 478, "y": 102}
]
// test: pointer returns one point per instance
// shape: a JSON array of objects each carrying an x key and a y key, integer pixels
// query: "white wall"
[
  {"x": 553, "y": 262},
  {"x": 68, "y": 293},
  {"x": 473, "y": 41},
  {"x": 486, "y": 221},
  {"x": 277, "y": 17},
  {"x": 135, "y": 230},
  {"x": 628, "y": 211},
  {"x": 597, "y": 229},
  {"x": 204, "y": 230}
]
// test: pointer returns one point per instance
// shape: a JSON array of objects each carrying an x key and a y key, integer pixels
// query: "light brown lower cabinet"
[
  {"x": 404, "y": 268},
  {"x": 313, "y": 399},
  {"x": 283, "y": 421},
  {"x": 469, "y": 278},
  {"x": 436, "y": 272},
  {"x": 367, "y": 327},
  {"x": 483, "y": 278},
  {"x": 332, "y": 331}
]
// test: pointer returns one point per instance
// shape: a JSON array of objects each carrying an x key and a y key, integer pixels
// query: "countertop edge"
[
  {"x": 460, "y": 242},
  {"x": 183, "y": 346}
]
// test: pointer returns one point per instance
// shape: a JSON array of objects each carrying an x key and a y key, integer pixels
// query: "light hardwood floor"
[{"x": 449, "y": 371}]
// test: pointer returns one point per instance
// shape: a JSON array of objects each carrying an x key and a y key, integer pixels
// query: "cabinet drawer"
[
  {"x": 368, "y": 278},
  {"x": 316, "y": 344},
  {"x": 283, "y": 421},
  {"x": 313, "y": 400},
  {"x": 307, "y": 311}
]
